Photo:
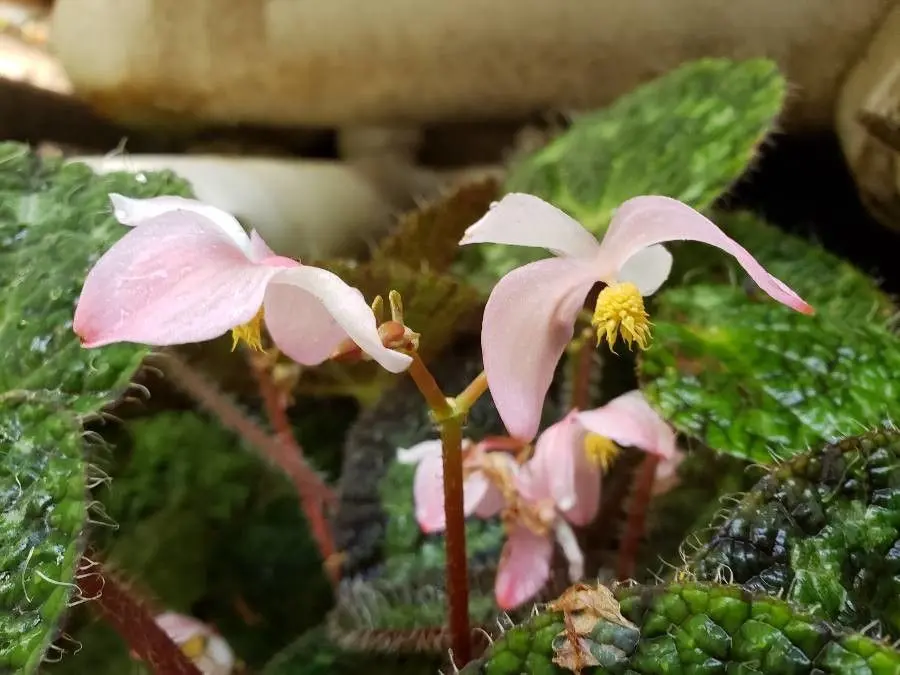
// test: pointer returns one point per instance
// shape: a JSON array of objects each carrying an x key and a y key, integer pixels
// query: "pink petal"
[
  {"x": 643, "y": 221},
  {"x": 180, "y": 628},
  {"x": 176, "y": 279},
  {"x": 631, "y": 422},
  {"x": 259, "y": 249},
  {"x": 667, "y": 473},
  {"x": 428, "y": 493},
  {"x": 525, "y": 220},
  {"x": 560, "y": 470},
  {"x": 310, "y": 311},
  {"x": 133, "y": 212},
  {"x": 524, "y": 567},
  {"x": 528, "y": 321}
]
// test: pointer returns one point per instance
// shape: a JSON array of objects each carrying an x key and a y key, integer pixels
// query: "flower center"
[
  {"x": 194, "y": 647},
  {"x": 249, "y": 332},
  {"x": 620, "y": 310},
  {"x": 600, "y": 450}
]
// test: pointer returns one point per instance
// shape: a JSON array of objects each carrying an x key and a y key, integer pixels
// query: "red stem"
[
  {"x": 455, "y": 541},
  {"x": 637, "y": 516},
  {"x": 276, "y": 410},
  {"x": 132, "y": 620},
  {"x": 581, "y": 378},
  {"x": 311, "y": 489}
]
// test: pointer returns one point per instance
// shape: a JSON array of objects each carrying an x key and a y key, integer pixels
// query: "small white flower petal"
[{"x": 647, "y": 269}]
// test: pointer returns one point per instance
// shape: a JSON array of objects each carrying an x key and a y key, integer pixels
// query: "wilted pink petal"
[
  {"x": 133, "y": 212},
  {"x": 525, "y": 220},
  {"x": 643, "y": 221},
  {"x": 524, "y": 567},
  {"x": 631, "y": 422},
  {"x": 177, "y": 278},
  {"x": 528, "y": 321},
  {"x": 667, "y": 473},
  {"x": 479, "y": 495},
  {"x": 310, "y": 311}
]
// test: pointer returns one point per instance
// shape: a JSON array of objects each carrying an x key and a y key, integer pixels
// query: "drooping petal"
[
  {"x": 176, "y": 279},
  {"x": 560, "y": 470},
  {"x": 667, "y": 473},
  {"x": 630, "y": 421},
  {"x": 528, "y": 321},
  {"x": 643, "y": 221},
  {"x": 133, "y": 212},
  {"x": 310, "y": 311},
  {"x": 647, "y": 269},
  {"x": 525, "y": 220},
  {"x": 479, "y": 495},
  {"x": 524, "y": 567},
  {"x": 568, "y": 542}
]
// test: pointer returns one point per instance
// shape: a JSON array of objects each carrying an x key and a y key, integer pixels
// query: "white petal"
[
  {"x": 419, "y": 451},
  {"x": 525, "y": 220},
  {"x": 647, "y": 269},
  {"x": 568, "y": 542},
  {"x": 309, "y": 311},
  {"x": 134, "y": 212}
]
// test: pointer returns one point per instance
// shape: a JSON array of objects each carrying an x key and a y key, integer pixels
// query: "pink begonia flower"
[
  {"x": 200, "y": 643},
  {"x": 480, "y": 496},
  {"x": 561, "y": 483},
  {"x": 530, "y": 315},
  {"x": 188, "y": 272}
]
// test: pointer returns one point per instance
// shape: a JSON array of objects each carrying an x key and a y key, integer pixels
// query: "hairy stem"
[
  {"x": 276, "y": 410},
  {"x": 637, "y": 516},
  {"x": 455, "y": 538},
  {"x": 582, "y": 363},
  {"x": 132, "y": 620},
  {"x": 311, "y": 489}
]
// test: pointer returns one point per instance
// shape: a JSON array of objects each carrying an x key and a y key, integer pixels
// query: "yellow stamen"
[
  {"x": 249, "y": 332},
  {"x": 194, "y": 647},
  {"x": 600, "y": 450},
  {"x": 620, "y": 310}
]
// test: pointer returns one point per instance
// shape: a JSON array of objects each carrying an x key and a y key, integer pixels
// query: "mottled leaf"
[
  {"x": 688, "y": 134},
  {"x": 44, "y": 502},
  {"x": 749, "y": 377}
]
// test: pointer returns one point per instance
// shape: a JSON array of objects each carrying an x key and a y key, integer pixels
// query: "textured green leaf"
[
  {"x": 43, "y": 499},
  {"x": 688, "y": 134},
  {"x": 696, "y": 628},
  {"x": 428, "y": 237},
  {"x": 821, "y": 530},
  {"x": 55, "y": 221},
  {"x": 748, "y": 376},
  {"x": 744, "y": 374}
]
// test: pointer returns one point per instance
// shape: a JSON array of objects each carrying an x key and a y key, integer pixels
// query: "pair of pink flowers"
[{"x": 539, "y": 501}]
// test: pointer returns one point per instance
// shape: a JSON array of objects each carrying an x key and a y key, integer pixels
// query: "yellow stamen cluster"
[
  {"x": 194, "y": 647},
  {"x": 620, "y": 310},
  {"x": 600, "y": 450},
  {"x": 249, "y": 332}
]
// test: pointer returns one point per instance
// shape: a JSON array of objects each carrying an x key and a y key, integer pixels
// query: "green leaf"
[
  {"x": 688, "y": 134},
  {"x": 428, "y": 237},
  {"x": 55, "y": 221},
  {"x": 43, "y": 498},
  {"x": 746, "y": 375}
]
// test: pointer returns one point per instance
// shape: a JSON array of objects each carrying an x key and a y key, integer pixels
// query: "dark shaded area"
[{"x": 803, "y": 185}]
